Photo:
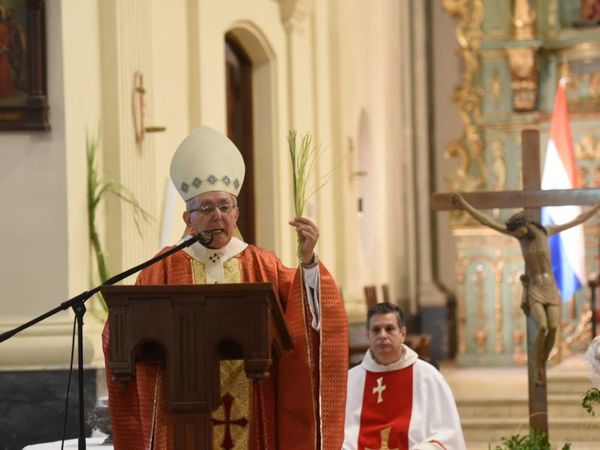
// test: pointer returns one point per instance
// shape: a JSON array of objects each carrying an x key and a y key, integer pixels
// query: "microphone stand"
[{"x": 78, "y": 305}]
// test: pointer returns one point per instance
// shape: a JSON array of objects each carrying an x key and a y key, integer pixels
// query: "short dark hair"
[{"x": 385, "y": 308}]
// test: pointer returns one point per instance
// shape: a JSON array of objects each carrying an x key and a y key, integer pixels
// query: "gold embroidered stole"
[{"x": 231, "y": 421}]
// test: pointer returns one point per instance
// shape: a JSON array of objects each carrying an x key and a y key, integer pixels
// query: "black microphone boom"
[{"x": 204, "y": 237}]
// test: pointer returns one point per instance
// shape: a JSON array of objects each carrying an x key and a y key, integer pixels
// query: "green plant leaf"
[
  {"x": 97, "y": 190},
  {"x": 535, "y": 440},
  {"x": 591, "y": 396}
]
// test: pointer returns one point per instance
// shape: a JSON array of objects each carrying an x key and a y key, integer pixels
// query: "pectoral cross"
[
  {"x": 379, "y": 389},
  {"x": 532, "y": 198}
]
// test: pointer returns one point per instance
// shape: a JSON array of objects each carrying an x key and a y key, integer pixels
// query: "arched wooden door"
[{"x": 240, "y": 127}]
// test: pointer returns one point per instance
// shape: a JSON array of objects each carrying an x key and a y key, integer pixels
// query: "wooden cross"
[{"x": 531, "y": 198}]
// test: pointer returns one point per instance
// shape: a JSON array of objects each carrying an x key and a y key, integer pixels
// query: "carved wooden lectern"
[{"x": 195, "y": 326}]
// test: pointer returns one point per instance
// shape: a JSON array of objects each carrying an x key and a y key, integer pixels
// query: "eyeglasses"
[{"x": 207, "y": 210}]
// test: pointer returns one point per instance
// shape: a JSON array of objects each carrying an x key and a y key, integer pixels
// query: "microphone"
[{"x": 204, "y": 237}]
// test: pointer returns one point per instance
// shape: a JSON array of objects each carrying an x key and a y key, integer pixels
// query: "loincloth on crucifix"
[{"x": 542, "y": 290}]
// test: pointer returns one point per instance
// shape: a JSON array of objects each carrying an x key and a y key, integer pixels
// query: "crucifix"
[{"x": 531, "y": 198}]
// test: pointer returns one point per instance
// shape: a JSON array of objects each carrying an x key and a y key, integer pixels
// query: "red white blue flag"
[{"x": 560, "y": 172}]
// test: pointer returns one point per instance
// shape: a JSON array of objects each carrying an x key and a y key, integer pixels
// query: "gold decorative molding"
[
  {"x": 524, "y": 70},
  {"x": 498, "y": 165},
  {"x": 583, "y": 174},
  {"x": 552, "y": 17},
  {"x": 496, "y": 88},
  {"x": 523, "y": 20},
  {"x": 588, "y": 147},
  {"x": 587, "y": 85},
  {"x": 480, "y": 335},
  {"x": 461, "y": 269},
  {"x": 471, "y": 173}
]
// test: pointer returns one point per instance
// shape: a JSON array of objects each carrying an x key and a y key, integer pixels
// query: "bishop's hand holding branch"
[{"x": 308, "y": 235}]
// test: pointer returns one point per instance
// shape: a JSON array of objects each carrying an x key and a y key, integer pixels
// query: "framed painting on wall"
[{"x": 23, "y": 97}]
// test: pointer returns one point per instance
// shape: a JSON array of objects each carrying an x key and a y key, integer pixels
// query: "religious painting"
[{"x": 23, "y": 98}]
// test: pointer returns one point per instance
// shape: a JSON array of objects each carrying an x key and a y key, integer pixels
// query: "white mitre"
[{"x": 207, "y": 161}]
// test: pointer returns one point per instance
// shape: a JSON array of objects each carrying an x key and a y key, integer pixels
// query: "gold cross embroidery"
[
  {"x": 379, "y": 389},
  {"x": 228, "y": 422},
  {"x": 385, "y": 439}
]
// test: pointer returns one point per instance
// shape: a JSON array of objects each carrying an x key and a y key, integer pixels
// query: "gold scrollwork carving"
[
  {"x": 498, "y": 165},
  {"x": 588, "y": 147},
  {"x": 583, "y": 174},
  {"x": 552, "y": 16},
  {"x": 524, "y": 70},
  {"x": 471, "y": 173},
  {"x": 480, "y": 335},
  {"x": 523, "y": 20},
  {"x": 461, "y": 269}
]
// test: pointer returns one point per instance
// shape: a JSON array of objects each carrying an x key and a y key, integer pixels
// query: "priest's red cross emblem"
[{"x": 227, "y": 401}]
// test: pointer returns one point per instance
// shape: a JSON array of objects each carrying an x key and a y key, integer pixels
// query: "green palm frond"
[
  {"x": 304, "y": 159},
  {"x": 97, "y": 190}
]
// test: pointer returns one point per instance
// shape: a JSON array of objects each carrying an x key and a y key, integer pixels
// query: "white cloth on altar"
[{"x": 434, "y": 422}]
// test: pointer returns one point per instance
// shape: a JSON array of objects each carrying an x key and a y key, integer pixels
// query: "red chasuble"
[
  {"x": 404, "y": 406},
  {"x": 299, "y": 407}
]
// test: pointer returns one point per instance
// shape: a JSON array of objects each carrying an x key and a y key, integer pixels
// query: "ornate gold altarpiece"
[{"x": 513, "y": 54}]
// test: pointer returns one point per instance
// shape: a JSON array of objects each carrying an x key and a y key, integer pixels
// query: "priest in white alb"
[{"x": 396, "y": 400}]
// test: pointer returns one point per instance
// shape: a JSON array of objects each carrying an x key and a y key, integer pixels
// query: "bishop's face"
[
  {"x": 386, "y": 338},
  {"x": 216, "y": 212}
]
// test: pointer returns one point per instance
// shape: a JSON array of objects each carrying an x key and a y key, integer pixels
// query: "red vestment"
[{"x": 300, "y": 404}]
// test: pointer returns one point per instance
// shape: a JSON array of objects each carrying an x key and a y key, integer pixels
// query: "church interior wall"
[
  {"x": 93, "y": 87},
  {"x": 170, "y": 103},
  {"x": 328, "y": 68},
  {"x": 44, "y": 229},
  {"x": 43, "y": 188},
  {"x": 447, "y": 126},
  {"x": 369, "y": 120}
]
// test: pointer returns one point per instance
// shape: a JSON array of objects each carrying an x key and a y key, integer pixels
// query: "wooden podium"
[{"x": 191, "y": 328}]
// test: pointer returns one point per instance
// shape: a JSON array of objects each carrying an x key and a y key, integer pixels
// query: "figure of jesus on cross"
[{"x": 541, "y": 300}]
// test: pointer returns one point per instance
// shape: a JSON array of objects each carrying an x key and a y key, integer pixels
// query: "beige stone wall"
[{"x": 337, "y": 69}]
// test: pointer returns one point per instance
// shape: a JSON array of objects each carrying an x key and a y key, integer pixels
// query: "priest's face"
[
  {"x": 216, "y": 212},
  {"x": 386, "y": 337}
]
